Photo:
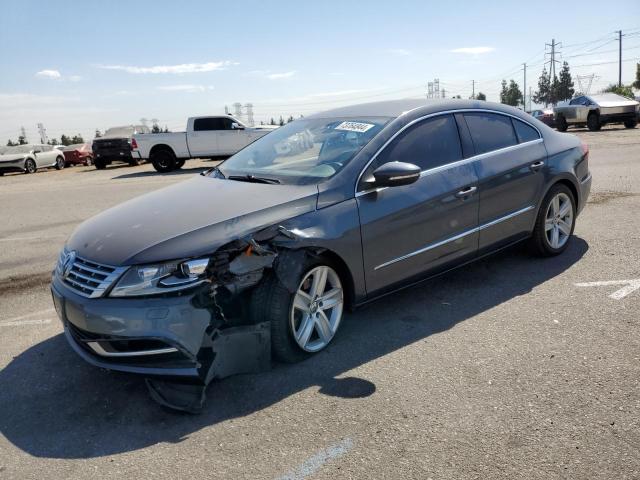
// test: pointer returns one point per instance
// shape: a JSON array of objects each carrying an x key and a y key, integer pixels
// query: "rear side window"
[
  {"x": 526, "y": 133},
  {"x": 206, "y": 124},
  {"x": 428, "y": 144},
  {"x": 490, "y": 131}
]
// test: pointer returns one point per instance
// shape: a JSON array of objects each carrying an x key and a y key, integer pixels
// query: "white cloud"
[
  {"x": 280, "y": 76},
  {"x": 185, "y": 88},
  {"x": 173, "y": 69},
  {"x": 55, "y": 74},
  {"x": 400, "y": 52},
  {"x": 74, "y": 78},
  {"x": 473, "y": 50}
]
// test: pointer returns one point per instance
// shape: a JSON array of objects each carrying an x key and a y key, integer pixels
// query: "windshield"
[{"x": 304, "y": 151}]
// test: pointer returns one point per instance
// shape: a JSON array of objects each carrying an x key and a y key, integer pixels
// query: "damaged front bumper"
[{"x": 174, "y": 341}]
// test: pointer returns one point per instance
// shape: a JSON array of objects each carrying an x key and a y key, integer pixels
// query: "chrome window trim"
[
  {"x": 456, "y": 237},
  {"x": 457, "y": 162}
]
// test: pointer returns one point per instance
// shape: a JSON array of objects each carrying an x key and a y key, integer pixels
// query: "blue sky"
[{"x": 78, "y": 66}]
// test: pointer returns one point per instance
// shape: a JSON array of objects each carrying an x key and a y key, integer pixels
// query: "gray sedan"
[
  {"x": 29, "y": 157},
  {"x": 264, "y": 254}
]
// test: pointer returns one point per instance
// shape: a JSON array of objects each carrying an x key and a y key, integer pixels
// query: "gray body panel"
[{"x": 386, "y": 238}]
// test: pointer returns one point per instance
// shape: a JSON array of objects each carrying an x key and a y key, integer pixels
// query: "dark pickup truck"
[{"x": 115, "y": 146}]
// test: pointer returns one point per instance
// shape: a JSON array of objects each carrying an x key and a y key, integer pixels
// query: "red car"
[{"x": 77, "y": 154}]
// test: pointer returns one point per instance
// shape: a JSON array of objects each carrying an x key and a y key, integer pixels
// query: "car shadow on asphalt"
[
  {"x": 182, "y": 171},
  {"x": 53, "y": 404}
]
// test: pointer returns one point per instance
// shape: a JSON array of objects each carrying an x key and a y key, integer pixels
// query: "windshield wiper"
[{"x": 253, "y": 179}]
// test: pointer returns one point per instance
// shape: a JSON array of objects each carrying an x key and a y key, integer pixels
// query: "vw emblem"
[{"x": 68, "y": 264}]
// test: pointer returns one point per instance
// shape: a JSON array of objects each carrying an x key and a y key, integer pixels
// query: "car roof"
[{"x": 421, "y": 106}]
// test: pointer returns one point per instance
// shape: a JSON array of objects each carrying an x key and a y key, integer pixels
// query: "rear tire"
[
  {"x": 555, "y": 222},
  {"x": 100, "y": 164},
  {"x": 631, "y": 123},
  {"x": 60, "y": 164},
  {"x": 30, "y": 166},
  {"x": 593, "y": 122},
  {"x": 163, "y": 161},
  {"x": 561, "y": 124}
]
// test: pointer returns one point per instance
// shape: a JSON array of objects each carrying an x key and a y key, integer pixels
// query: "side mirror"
[
  {"x": 395, "y": 174},
  {"x": 236, "y": 126}
]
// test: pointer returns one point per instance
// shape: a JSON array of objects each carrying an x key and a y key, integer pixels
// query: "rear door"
[
  {"x": 203, "y": 138},
  {"x": 428, "y": 225},
  {"x": 510, "y": 160}
]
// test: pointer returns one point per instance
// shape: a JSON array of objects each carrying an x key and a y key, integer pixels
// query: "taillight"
[
  {"x": 134, "y": 144},
  {"x": 585, "y": 149}
]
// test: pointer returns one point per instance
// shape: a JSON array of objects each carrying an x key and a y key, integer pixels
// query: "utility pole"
[
  {"x": 619, "y": 58},
  {"x": 473, "y": 89},
  {"x": 552, "y": 67},
  {"x": 530, "y": 95},
  {"x": 524, "y": 89},
  {"x": 43, "y": 134}
]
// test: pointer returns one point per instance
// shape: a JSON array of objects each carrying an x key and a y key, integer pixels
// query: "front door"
[
  {"x": 203, "y": 140},
  {"x": 430, "y": 225}
]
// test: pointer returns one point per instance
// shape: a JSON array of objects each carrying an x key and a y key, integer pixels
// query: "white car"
[
  {"x": 206, "y": 137},
  {"x": 30, "y": 157}
]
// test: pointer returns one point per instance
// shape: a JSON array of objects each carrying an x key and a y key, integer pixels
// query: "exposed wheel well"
[
  {"x": 161, "y": 148},
  {"x": 569, "y": 184}
]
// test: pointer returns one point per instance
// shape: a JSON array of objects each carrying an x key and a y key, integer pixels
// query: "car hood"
[{"x": 189, "y": 219}]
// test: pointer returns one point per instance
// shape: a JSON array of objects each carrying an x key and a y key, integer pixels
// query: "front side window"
[
  {"x": 305, "y": 151},
  {"x": 431, "y": 143},
  {"x": 490, "y": 131},
  {"x": 526, "y": 133}
]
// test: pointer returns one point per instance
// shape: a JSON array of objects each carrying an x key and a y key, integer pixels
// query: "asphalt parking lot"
[{"x": 514, "y": 367}]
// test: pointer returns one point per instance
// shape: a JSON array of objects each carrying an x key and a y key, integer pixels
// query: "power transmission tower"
[
  {"x": 433, "y": 89},
  {"x": 226, "y": 110},
  {"x": 237, "y": 110},
  {"x": 144, "y": 121},
  {"x": 43, "y": 134},
  {"x": 590, "y": 78},
  {"x": 552, "y": 65},
  {"x": 23, "y": 133},
  {"x": 249, "y": 108}
]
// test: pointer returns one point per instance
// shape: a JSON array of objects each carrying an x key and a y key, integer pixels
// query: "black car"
[
  {"x": 265, "y": 253},
  {"x": 116, "y": 146}
]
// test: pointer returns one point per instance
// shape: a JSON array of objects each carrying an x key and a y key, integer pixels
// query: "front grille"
[{"x": 86, "y": 278}]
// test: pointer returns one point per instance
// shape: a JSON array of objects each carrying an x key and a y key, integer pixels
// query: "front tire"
[
  {"x": 593, "y": 122},
  {"x": 100, "y": 164},
  {"x": 163, "y": 161},
  {"x": 303, "y": 322},
  {"x": 562, "y": 124},
  {"x": 180, "y": 163},
  {"x": 59, "y": 163},
  {"x": 631, "y": 123},
  {"x": 555, "y": 222},
  {"x": 30, "y": 166}
]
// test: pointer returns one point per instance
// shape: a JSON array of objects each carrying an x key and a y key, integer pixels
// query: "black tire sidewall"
[
  {"x": 593, "y": 122},
  {"x": 26, "y": 166},
  {"x": 562, "y": 124},
  {"x": 163, "y": 161}
]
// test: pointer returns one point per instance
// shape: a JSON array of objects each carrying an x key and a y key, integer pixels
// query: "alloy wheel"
[
  {"x": 559, "y": 220},
  {"x": 317, "y": 308}
]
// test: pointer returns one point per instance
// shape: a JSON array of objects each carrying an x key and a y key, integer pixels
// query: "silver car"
[
  {"x": 29, "y": 158},
  {"x": 594, "y": 111}
]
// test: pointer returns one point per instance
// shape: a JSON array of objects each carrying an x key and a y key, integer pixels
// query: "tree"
[
  {"x": 54, "y": 141},
  {"x": 456, "y": 96},
  {"x": 511, "y": 94},
  {"x": 77, "y": 139},
  {"x": 565, "y": 88},
  {"x": 272, "y": 121},
  {"x": 290, "y": 119},
  {"x": 636, "y": 84},
  {"x": 281, "y": 122},
  {"x": 22, "y": 140},
  {"x": 481, "y": 96},
  {"x": 543, "y": 95},
  {"x": 624, "y": 90},
  {"x": 98, "y": 134},
  {"x": 64, "y": 140},
  {"x": 155, "y": 128},
  {"x": 11, "y": 143},
  {"x": 166, "y": 129}
]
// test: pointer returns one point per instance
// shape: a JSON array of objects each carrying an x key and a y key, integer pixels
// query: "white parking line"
[
  {"x": 26, "y": 239},
  {"x": 630, "y": 286},
  {"x": 25, "y": 322},
  {"x": 314, "y": 463}
]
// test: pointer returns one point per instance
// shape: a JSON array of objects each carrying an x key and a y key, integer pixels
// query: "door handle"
[
  {"x": 536, "y": 165},
  {"x": 466, "y": 192}
]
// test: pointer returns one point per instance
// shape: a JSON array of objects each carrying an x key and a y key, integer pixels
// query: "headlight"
[{"x": 161, "y": 278}]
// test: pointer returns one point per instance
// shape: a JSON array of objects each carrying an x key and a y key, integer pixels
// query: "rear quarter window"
[
  {"x": 490, "y": 131},
  {"x": 525, "y": 133}
]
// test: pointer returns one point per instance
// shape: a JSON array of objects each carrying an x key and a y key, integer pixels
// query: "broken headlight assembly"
[{"x": 142, "y": 280}]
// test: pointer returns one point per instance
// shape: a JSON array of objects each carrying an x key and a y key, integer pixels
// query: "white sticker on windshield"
[{"x": 355, "y": 127}]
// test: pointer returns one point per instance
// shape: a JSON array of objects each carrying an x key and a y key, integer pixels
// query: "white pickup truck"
[{"x": 206, "y": 137}]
